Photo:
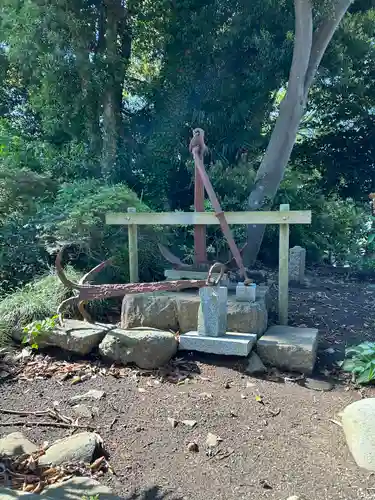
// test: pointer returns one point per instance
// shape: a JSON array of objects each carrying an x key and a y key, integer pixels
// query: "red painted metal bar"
[
  {"x": 198, "y": 159},
  {"x": 200, "y": 252}
]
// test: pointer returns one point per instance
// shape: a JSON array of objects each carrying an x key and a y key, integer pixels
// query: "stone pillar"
[
  {"x": 213, "y": 311},
  {"x": 297, "y": 263}
]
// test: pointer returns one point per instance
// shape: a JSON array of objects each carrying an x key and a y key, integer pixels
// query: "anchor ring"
[{"x": 212, "y": 282}]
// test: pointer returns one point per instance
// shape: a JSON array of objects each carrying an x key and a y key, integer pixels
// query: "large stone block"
[
  {"x": 156, "y": 310},
  {"x": 178, "y": 311},
  {"x": 358, "y": 425},
  {"x": 146, "y": 347},
  {"x": 230, "y": 344},
  {"x": 76, "y": 336},
  {"x": 242, "y": 317},
  {"x": 251, "y": 317},
  {"x": 289, "y": 348}
]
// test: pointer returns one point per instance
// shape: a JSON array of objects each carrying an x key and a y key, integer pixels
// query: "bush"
[
  {"x": 339, "y": 227},
  {"x": 360, "y": 362},
  {"x": 22, "y": 255},
  {"x": 35, "y": 301},
  {"x": 78, "y": 217}
]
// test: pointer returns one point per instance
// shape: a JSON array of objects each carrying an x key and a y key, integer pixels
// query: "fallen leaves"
[{"x": 23, "y": 473}]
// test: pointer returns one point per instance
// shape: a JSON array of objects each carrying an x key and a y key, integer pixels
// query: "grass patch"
[{"x": 35, "y": 301}]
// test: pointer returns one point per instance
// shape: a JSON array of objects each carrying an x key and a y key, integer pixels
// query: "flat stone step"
[
  {"x": 289, "y": 348},
  {"x": 230, "y": 344}
]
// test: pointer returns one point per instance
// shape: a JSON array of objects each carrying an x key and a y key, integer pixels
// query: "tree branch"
[
  {"x": 322, "y": 36},
  {"x": 302, "y": 45}
]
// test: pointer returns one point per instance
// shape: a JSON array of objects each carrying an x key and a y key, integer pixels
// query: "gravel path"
[{"x": 282, "y": 446}]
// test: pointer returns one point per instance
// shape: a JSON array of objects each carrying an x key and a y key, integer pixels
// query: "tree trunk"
[
  {"x": 309, "y": 48},
  {"x": 116, "y": 56}
]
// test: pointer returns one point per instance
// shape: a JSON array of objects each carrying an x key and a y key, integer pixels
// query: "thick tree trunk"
[
  {"x": 117, "y": 56},
  {"x": 308, "y": 51}
]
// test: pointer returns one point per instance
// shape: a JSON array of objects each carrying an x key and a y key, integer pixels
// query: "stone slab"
[
  {"x": 76, "y": 336},
  {"x": 289, "y": 348},
  {"x": 15, "y": 444},
  {"x": 230, "y": 344},
  {"x": 181, "y": 274}
]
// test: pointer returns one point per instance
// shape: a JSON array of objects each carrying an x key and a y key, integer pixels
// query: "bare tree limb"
[{"x": 322, "y": 37}]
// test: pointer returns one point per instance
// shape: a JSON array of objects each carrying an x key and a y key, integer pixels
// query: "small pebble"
[{"x": 193, "y": 447}]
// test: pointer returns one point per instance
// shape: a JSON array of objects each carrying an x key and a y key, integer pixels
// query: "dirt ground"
[{"x": 280, "y": 446}]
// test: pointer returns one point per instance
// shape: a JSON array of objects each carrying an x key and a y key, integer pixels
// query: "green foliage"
[
  {"x": 22, "y": 255},
  {"x": 96, "y": 110},
  {"x": 360, "y": 361},
  {"x": 339, "y": 226},
  {"x": 37, "y": 330},
  {"x": 77, "y": 217},
  {"x": 35, "y": 301}
]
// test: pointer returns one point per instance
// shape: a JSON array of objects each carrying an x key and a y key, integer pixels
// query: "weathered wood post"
[
  {"x": 133, "y": 249},
  {"x": 283, "y": 268}
]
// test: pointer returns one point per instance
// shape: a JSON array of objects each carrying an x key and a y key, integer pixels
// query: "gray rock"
[
  {"x": 76, "y": 336},
  {"x": 15, "y": 444},
  {"x": 76, "y": 448},
  {"x": 289, "y": 348},
  {"x": 255, "y": 365},
  {"x": 77, "y": 488},
  {"x": 156, "y": 310},
  {"x": 91, "y": 395},
  {"x": 318, "y": 385},
  {"x": 82, "y": 411},
  {"x": 358, "y": 425},
  {"x": 145, "y": 347}
]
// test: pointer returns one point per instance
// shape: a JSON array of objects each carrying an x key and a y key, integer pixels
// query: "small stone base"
[
  {"x": 289, "y": 348},
  {"x": 230, "y": 344}
]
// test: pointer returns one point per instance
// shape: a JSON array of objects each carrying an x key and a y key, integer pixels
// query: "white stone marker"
[
  {"x": 246, "y": 293},
  {"x": 213, "y": 311},
  {"x": 297, "y": 264}
]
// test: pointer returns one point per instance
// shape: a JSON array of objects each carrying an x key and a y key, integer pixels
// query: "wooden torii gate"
[{"x": 284, "y": 217}]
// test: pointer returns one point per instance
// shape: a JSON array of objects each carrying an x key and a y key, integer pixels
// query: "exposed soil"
[{"x": 281, "y": 446}]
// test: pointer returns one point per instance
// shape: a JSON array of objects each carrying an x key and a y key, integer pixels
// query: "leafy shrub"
[
  {"x": 360, "y": 361},
  {"x": 22, "y": 254},
  {"x": 35, "y": 301},
  {"x": 38, "y": 329},
  {"x": 339, "y": 227},
  {"x": 78, "y": 217}
]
